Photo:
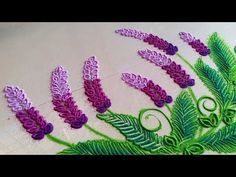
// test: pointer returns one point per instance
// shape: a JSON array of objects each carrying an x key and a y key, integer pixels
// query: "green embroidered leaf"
[
  {"x": 223, "y": 140},
  {"x": 184, "y": 117},
  {"x": 103, "y": 147},
  {"x": 129, "y": 126},
  {"x": 211, "y": 121},
  {"x": 213, "y": 81},
  {"x": 223, "y": 57},
  {"x": 170, "y": 141},
  {"x": 194, "y": 149}
]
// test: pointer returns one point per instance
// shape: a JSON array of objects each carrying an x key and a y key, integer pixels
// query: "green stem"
[
  {"x": 98, "y": 133},
  {"x": 186, "y": 62},
  {"x": 58, "y": 141},
  {"x": 108, "y": 110},
  {"x": 200, "y": 131},
  {"x": 168, "y": 107},
  {"x": 192, "y": 95}
]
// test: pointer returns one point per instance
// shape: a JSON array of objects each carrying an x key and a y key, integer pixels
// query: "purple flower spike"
[
  {"x": 155, "y": 92},
  {"x": 63, "y": 101},
  {"x": 157, "y": 42},
  {"x": 93, "y": 87},
  {"x": 195, "y": 43},
  {"x": 30, "y": 118},
  {"x": 175, "y": 71}
]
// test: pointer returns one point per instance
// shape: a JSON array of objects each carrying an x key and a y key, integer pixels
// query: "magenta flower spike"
[
  {"x": 63, "y": 101},
  {"x": 93, "y": 87},
  {"x": 154, "y": 91},
  {"x": 195, "y": 43},
  {"x": 31, "y": 120},
  {"x": 174, "y": 70},
  {"x": 151, "y": 39}
]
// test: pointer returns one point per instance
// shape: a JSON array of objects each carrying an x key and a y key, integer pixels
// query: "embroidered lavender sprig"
[
  {"x": 93, "y": 87},
  {"x": 195, "y": 43},
  {"x": 151, "y": 39},
  {"x": 63, "y": 101},
  {"x": 154, "y": 91},
  {"x": 174, "y": 70},
  {"x": 29, "y": 117}
]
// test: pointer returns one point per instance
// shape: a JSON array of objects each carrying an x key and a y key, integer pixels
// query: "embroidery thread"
[
  {"x": 195, "y": 126},
  {"x": 92, "y": 86}
]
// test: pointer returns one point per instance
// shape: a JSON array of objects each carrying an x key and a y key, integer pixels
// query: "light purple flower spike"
[
  {"x": 132, "y": 33},
  {"x": 63, "y": 101},
  {"x": 186, "y": 37},
  {"x": 151, "y": 39},
  {"x": 90, "y": 70},
  {"x": 196, "y": 44},
  {"x": 16, "y": 99},
  {"x": 134, "y": 80},
  {"x": 31, "y": 120},
  {"x": 174, "y": 70},
  {"x": 92, "y": 86},
  {"x": 154, "y": 91},
  {"x": 155, "y": 57},
  {"x": 59, "y": 85}
]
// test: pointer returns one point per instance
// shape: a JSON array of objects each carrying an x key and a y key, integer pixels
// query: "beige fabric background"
[{"x": 30, "y": 51}]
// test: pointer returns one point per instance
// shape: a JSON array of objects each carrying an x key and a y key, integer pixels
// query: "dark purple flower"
[
  {"x": 92, "y": 86},
  {"x": 195, "y": 43},
  {"x": 63, "y": 101},
  {"x": 30, "y": 118},
  {"x": 157, "y": 42},
  {"x": 154, "y": 91},
  {"x": 174, "y": 70}
]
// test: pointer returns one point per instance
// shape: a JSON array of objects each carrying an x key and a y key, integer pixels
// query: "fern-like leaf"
[
  {"x": 129, "y": 126},
  {"x": 223, "y": 140},
  {"x": 103, "y": 147},
  {"x": 223, "y": 57},
  {"x": 213, "y": 81},
  {"x": 184, "y": 117}
]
